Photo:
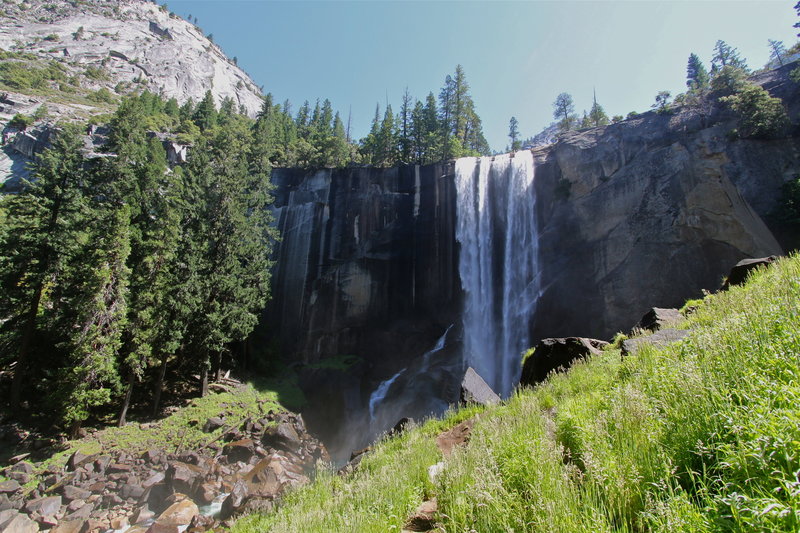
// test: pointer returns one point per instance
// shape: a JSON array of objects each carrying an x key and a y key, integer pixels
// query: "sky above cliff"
[{"x": 517, "y": 55}]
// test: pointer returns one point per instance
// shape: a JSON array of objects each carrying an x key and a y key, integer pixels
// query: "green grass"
[{"x": 702, "y": 435}]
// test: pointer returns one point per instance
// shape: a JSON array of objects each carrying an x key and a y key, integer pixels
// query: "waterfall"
[
  {"x": 498, "y": 262},
  {"x": 382, "y": 390},
  {"x": 379, "y": 393}
]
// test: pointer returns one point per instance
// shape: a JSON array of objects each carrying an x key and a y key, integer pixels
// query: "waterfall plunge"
[{"x": 498, "y": 262}]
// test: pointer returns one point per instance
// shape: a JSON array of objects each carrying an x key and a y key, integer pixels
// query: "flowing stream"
[{"x": 498, "y": 262}]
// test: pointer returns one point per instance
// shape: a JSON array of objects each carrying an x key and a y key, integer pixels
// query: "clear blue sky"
[{"x": 517, "y": 55}]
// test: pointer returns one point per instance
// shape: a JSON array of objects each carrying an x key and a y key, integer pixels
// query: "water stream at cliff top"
[{"x": 498, "y": 262}]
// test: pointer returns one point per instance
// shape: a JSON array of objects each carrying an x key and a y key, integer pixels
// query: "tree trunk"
[
  {"x": 159, "y": 383},
  {"x": 204, "y": 381},
  {"x": 127, "y": 400},
  {"x": 74, "y": 429},
  {"x": 24, "y": 347},
  {"x": 218, "y": 366}
]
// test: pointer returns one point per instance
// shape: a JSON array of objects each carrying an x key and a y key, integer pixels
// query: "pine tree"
[
  {"x": 777, "y": 51},
  {"x": 696, "y": 74},
  {"x": 44, "y": 227},
  {"x": 563, "y": 111},
  {"x": 93, "y": 317},
  {"x": 726, "y": 56},
  {"x": 513, "y": 134},
  {"x": 406, "y": 118},
  {"x": 205, "y": 116},
  {"x": 597, "y": 114}
]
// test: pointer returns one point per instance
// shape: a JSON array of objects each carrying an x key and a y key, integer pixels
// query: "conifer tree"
[
  {"x": 777, "y": 51},
  {"x": 597, "y": 115},
  {"x": 406, "y": 142},
  {"x": 696, "y": 74},
  {"x": 205, "y": 116},
  {"x": 43, "y": 228},
  {"x": 563, "y": 111},
  {"x": 513, "y": 134},
  {"x": 93, "y": 317}
]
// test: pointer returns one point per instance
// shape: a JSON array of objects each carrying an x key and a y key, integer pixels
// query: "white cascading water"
[
  {"x": 498, "y": 262},
  {"x": 379, "y": 393},
  {"x": 381, "y": 390}
]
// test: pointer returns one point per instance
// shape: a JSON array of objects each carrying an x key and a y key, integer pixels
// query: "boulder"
[
  {"x": 142, "y": 514},
  {"x": 178, "y": 514},
  {"x": 240, "y": 450},
  {"x": 659, "y": 318},
  {"x": 738, "y": 274},
  {"x": 423, "y": 518},
  {"x": 16, "y": 522},
  {"x": 9, "y": 487},
  {"x": 475, "y": 390},
  {"x": 555, "y": 353},
  {"x": 456, "y": 436},
  {"x": 213, "y": 423},
  {"x": 235, "y": 500},
  {"x": 282, "y": 437},
  {"x": 69, "y": 526},
  {"x": 183, "y": 477},
  {"x": 659, "y": 338},
  {"x": 71, "y": 492},
  {"x": 47, "y": 506}
]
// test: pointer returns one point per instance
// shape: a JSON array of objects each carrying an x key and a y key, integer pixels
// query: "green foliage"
[
  {"x": 702, "y": 435},
  {"x": 96, "y": 73},
  {"x": 20, "y": 75},
  {"x": 697, "y": 77},
  {"x": 564, "y": 111},
  {"x": 788, "y": 211},
  {"x": 760, "y": 115},
  {"x": 102, "y": 96},
  {"x": 513, "y": 134},
  {"x": 114, "y": 270},
  {"x": 729, "y": 79},
  {"x": 21, "y": 122},
  {"x": 597, "y": 116},
  {"x": 662, "y": 102}
]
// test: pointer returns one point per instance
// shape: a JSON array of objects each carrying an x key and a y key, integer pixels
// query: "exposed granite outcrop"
[{"x": 133, "y": 41}]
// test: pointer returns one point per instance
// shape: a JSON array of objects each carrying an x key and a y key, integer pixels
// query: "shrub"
[
  {"x": 788, "y": 211},
  {"x": 101, "y": 95},
  {"x": 21, "y": 121},
  {"x": 761, "y": 116},
  {"x": 51, "y": 37},
  {"x": 96, "y": 73}
]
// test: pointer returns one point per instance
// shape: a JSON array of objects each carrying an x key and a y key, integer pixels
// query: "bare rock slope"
[{"x": 134, "y": 43}]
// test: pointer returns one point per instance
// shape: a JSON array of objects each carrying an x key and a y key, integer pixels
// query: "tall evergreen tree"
[
  {"x": 513, "y": 134},
  {"x": 405, "y": 128},
  {"x": 93, "y": 317},
  {"x": 597, "y": 114},
  {"x": 696, "y": 74},
  {"x": 45, "y": 223},
  {"x": 726, "y": 56},
  {"x": 777, "y": 51},
  {"x": 205, "y": 116}
]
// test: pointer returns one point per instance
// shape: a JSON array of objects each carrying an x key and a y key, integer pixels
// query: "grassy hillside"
[{"x": 701, "y": 436}]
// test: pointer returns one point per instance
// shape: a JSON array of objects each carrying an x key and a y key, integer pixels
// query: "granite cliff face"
[
  {"x": 134, "y": 42},
  {"x": 649, "y": 211}
]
